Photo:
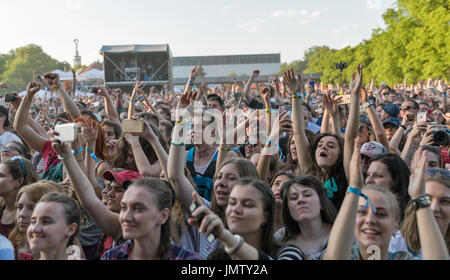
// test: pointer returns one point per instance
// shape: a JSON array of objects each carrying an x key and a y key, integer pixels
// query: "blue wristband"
[
  {"x": 78, "y": 151},
  {"x": 368, "y": 203},
  {"x": 92, "y": 155}
]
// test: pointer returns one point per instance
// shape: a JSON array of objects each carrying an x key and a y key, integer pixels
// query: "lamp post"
[{"x": 341, "y": 66}]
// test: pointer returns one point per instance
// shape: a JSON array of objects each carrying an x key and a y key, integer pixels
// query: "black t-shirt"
[{"x": 254, "y": 104}]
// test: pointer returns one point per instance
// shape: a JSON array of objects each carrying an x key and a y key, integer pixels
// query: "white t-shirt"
[{"x": 8, "y": 137}]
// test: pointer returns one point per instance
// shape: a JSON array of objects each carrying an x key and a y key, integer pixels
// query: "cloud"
[
  {"x": 225, "y": 8},
  {"x": 301, "y": 16},
  {"x": 344, "y": 28},
  {"x": 252, "y": 25}
]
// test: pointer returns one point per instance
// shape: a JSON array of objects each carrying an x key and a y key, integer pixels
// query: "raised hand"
[
  {"x": 33, "y": 88},
  {"x": 356, "y": 82},
  {"x": 417, "y": 179},
  {"x": 265, "y": 93},
  {"x": 61, "y": 148},
  {"x": 330, "y": 103},
  {"x": 51, "y": 80},
  {"x": 89, "y": 131},
  {"x": 186, "y": 99},
  {"x": 209, "y": 221},
  {"x": 255, "y": 73},
  {"x": 293, "y": 84},
  {"x": 355, "y": 176}
]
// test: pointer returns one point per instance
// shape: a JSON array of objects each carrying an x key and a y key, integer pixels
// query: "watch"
[{"x": 421, "y": 202}]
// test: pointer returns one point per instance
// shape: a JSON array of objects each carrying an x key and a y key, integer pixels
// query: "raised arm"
[
  {"x": 90, "y": 133},
  {"x": 248, "y": 85},
  {"x": 106, "y": 220},
  {"x": 52, "y": 82},
  {"x": 431, "y": 240},
  {"x": 342, "y": 233},
  {"x": 397, "y": 138},
  {"x": 375, "y": 120},
  {"x": 331, "y": 111},
  {"x": 271, "y": 146},
  {"x": 177, "y": 154},
  {"x": 298, "y": 120},
  {"x": 134, "y": 99},
  {"x": 111, "y": 112},
  {"x": 21, "y": 125},
  {"x": 353, "y": 120}
]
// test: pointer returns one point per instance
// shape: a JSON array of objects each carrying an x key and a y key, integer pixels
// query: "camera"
[
  {"x": 441, "y": 138},
  {"x": 94, "y": 90},
  {"x": 341, "y": 65},
  {"x": 10, "y": 97}
]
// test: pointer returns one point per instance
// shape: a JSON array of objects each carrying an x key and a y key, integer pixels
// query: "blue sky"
[{"x": 191, "y": 28}]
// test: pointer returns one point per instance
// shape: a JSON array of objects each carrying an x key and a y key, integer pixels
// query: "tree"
[
  {"x": 201, "y": 71},
  {"x": 20, "y": 66}
]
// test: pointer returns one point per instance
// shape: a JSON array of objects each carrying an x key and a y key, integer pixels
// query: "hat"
[
  {"x": 372, "y": 149},
  {"x": 393, "y": 121},
  {"x": 4, "y": 111},
  {"x": 365, "y": 120},
  {"x": 124, "y": 178},
  {"x": 391, "y": 109}
]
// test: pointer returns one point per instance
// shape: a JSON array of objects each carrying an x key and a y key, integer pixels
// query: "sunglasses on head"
[
  {"x": 22, "y": 165},
  {"x": 10, "y": 149}
]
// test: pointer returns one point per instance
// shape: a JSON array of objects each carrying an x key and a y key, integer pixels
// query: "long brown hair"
[
  {"x": 328, "y": 213},
  {"x": 409, "y": 229},
  {"x": 164, "y": 199},
  {"x": 34, "y": 193},
  {"x": 246, "y": 170}
]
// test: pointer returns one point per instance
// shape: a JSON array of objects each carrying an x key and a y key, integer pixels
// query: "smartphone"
[
  {"x": 345, "y": 99},
  {"x": 10, "y": 97},
  {"x": 132, "y": 126},
  {"x": 25, "y": 257},
  {"x": 67, "y": 132},
  {"x": 94, "y": 90},
  {"x": 96, "y": 104},
  {"x": 194, "y": 205},
  {"x": 422, "y": 117}
]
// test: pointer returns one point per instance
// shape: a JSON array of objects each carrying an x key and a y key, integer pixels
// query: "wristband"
[
  {"x": 223, "y": 149},
  {"x": 191, "y": 83},
  {"x": 268, "y": 141},
  {"x": 56, "y": 87},
  {"x": 358, "y": 192},
  {"x": 178, "y": 144},
  {"x": 402, "y": 126},
  {"x": 78, "y": 151},
  {"x": 268, "y": 111},
  {"x": 81, "y": 160},
  {"x": 299, "y": 95},
  {"x": 92, "y": 155},
  {"x": 236, "y": 247}
]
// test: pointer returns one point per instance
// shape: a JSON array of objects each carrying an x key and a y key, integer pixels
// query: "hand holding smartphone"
[
  {"x": 66, "y": 132},
  {"x": 132, "y": 126},
  {"x": 194, "y": 205}
]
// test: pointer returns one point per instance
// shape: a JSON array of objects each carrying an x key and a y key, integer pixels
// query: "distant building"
[{"x": 218, "y": 69}]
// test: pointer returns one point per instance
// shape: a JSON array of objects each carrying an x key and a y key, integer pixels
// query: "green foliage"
[
  {"x": 19, "y": 66},
  {"x": 415, "y": 45}
]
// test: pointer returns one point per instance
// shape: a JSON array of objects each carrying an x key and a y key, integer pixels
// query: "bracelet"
[
  {"x": 223, "y": 149},
  {"x": 91, "y": 153},
  {"x": 236, "y": 247},
  {"x": 56, "y": 87},
  {"x": 78, "y": 151},
  {"x": 81, "y": 160},
  {"x": 402, "y": 126},
  {"x": 268, "y": 111},
  {"x": 178, "y": 144},
  {"x": 268, "y": 141},
  {"x": 298, "y": 95},
  {"x": 191, "y": 83},
  {"x": 358, "y": 192}
]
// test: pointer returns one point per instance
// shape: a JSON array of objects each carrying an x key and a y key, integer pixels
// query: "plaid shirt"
[{"x": 122, "y": 252}]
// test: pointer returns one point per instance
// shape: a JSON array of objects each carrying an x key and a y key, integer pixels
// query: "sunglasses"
[
  {"x": 406, "y": 108},
  {"x": 10, "y": 149},
  {"x": 24, "y": 171}
]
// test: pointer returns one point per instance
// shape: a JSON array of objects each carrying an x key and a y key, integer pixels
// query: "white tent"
[
  {"x": 63, "y": 75},
  {"x": 93, "y": 74}
]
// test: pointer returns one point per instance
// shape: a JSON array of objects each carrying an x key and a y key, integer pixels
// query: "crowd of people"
[{"x": 284, "y": 170}]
